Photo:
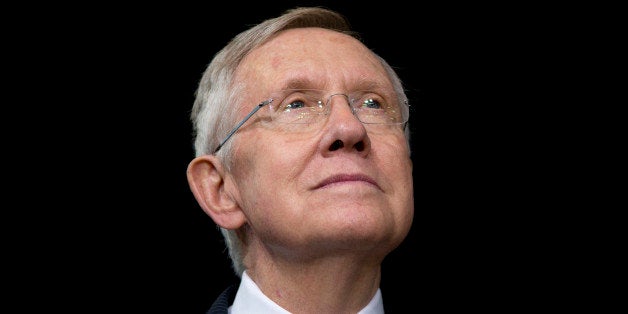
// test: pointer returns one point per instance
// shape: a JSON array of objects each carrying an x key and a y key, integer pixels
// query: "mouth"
[{"x": 346, "y": 179}]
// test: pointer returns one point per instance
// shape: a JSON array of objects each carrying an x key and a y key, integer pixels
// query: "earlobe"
[{"x": 206, "y": 178}]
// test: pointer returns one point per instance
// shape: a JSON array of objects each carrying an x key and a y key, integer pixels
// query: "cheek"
[
  {"x": 394, "y": 156},
  {"x": 266, "y": 171},
  {"x": 395, "y": 163}
]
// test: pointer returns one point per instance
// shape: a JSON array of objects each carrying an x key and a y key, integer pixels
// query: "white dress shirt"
[{"x": 250, "y": 299}]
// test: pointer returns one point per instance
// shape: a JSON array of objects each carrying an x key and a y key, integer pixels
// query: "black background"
[{"x": 137, "y": 240}]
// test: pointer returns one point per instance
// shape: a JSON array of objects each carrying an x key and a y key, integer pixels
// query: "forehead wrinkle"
[
  {"x": 304, "y": 70},
  {"x": 361, "y": 82},
  {"x": 303, "y": 78}
]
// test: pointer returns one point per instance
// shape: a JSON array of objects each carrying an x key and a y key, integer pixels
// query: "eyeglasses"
[{"x": 301, "y": 110}]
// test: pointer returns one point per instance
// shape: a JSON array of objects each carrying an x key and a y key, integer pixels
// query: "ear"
[{"x": 206, "y": 177}]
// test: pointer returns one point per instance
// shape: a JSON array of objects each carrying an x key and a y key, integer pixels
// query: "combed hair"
[{"x": 212, "y": 115}]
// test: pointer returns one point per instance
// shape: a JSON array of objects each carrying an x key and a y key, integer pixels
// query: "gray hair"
[{"x": 212, "y": 116}]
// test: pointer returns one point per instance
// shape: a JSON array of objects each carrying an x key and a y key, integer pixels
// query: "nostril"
[
  {"x": 359, "y": 146},
  {"x": 337, "y": 144}
]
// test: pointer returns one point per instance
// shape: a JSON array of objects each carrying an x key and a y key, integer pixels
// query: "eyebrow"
[{"x": 301, "y": 82}]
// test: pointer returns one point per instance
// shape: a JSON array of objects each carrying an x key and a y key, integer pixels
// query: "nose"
[
  {"x": 344, "y": 106},
  {"x": 343, "y": 131}
]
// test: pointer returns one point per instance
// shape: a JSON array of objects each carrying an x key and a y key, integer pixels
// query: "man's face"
[{"x": 342, "y": 186}]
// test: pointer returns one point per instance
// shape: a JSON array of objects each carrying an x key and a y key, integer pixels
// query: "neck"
[{"x": 342, "y": 283}]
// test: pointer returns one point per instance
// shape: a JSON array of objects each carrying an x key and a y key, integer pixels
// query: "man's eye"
[
  {"x": 295, "y": 105},
  {"x": 371, "y": 103}
]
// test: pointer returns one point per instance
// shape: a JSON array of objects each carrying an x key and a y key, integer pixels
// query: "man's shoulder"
[{"x": 224, "y": 300}]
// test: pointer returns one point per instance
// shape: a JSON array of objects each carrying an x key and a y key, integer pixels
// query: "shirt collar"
[{"x": 250, "y": 299}]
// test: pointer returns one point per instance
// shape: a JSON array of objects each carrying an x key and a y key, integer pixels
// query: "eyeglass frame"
[{"x": 268, "y": 101}]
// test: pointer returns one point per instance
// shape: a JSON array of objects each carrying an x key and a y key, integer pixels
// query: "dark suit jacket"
[{"x": 224, "y": 300}]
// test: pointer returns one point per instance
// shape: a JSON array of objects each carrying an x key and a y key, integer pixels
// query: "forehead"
[{"x": 310, "y": 58}]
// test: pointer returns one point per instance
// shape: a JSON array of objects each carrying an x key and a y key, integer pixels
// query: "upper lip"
[{"x": 346, "y": 177}]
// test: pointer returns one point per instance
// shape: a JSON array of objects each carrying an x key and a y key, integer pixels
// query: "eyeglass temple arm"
[{"x": 258, "y": 107}]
